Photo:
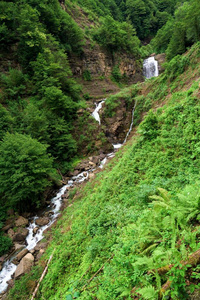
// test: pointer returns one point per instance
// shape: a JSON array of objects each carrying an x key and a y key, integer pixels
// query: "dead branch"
[
  {"x": 42, "y": 276},
  {"x": 96, "y": 273},
  {"x": 192, "y": 261}
]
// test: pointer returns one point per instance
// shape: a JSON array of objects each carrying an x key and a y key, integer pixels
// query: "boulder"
[
  {"x": 25, "y": 265},
  {"x": 41, "y": 252},
  {"x": 42, "y": 221},
  {"x": 21, "y": 221},
  {"x": 20, "y": 235},
  {"x": 11, "y": 233},
  {"x": 35, "y": 230},
  {"x": 40, "y": 246},
  {"x": 21, "y": 254},
  {"x": 7, "y": 227},
  {"x": 18, "y": 246}
]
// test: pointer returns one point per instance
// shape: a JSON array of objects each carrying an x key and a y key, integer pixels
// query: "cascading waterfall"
[
  {"x": 115, "y": 146},
  {"x": 95, "y": 113},
  {"x": 32, "y": 239},
  {"x": 150, "y": 67}
]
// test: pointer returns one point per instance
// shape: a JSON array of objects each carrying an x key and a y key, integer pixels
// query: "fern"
[{"x": 148, "y": 293}]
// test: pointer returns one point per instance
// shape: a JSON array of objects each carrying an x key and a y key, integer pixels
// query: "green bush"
[{"x": 25, "y": 171}]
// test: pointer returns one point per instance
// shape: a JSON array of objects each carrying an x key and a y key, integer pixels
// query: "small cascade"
[
  {"x": 150, "y": 67},
  {"x": 95, "y": 113},
  {"x": 131, "y": 126},
  {"x": 54, "y": 208}
]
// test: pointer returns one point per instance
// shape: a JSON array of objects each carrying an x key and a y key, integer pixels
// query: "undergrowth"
[{"x": 134, "y": 233}]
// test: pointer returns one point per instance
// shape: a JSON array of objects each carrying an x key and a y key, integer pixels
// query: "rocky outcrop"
[
  {"x": 118, "y": 125},
  {"x": 21, "y": 221},
  {"x": 161, "y": 58},
  {"x": 25, "y": 265},
  {"x": 42, "y": 221},
  {"x": 96, "y": 62}
]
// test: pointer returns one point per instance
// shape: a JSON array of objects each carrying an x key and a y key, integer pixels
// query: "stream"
[{"x": 150, "y": 69}]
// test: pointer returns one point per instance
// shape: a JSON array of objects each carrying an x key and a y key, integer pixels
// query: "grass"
[{"x": 141, "y": 213}]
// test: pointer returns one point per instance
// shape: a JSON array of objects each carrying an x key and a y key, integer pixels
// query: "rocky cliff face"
[{"x": 99, "y": 62}]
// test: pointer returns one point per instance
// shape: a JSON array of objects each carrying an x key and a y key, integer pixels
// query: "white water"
[
  {"x": 95, "y": 113},
  {"x": 32, "y": 239},
  {"x": 150, "y": 67}
]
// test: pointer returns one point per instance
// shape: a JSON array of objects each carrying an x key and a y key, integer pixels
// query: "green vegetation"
[
  {"x": 181, "y": 31},
  {"x": 25, "y": 168},
  {"x": 136, "y": 226},
  {"x": 45, "y": 127}
]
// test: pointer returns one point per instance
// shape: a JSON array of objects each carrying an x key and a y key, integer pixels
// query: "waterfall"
[
  {"x": 150, "y": 67},
  {"x": 95, "y": 113}
]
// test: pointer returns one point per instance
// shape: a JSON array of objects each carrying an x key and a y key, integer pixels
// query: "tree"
[{"x": 25, "y": 171}]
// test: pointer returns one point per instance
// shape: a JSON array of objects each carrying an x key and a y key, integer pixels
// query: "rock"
[
  {"x": 35, "y": 230},
  {"x": 40, "y": 246},
  {"x": 91, "y": 175},
  {"x": 21, "y": 254},
  {"x": 76, "y": 172},
  {"x": 49, "y": 213},
  {"x": 20, "y": 235},
  {"x": 25, "y": 265},
  {"x": 18, "y": 246},
  {"x": 91, "y": 164},
  {"x": 41, "y": 252},
  {"x": 19, "y": 238},
  {"x": 10, "y": 212},
  {"x": 85, "y": 174},
  {"x": 96, "y": 160},
  {"x": 7, "y": 227},
  {"x": 42, "y": 221},
  {"x": 161, "y": 58},
  {"x": 1, "y": 266},
  {"x": 10, "y": 283},
  {"x": 11, "y": 233},
  {"x": 21, "y": 221}
]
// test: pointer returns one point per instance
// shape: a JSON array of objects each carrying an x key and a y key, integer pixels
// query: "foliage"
[
  {"x": 116, "y": 36},
  {"x": 141, "y": 214},
  {"x": 181, "y": 31},
  {"x": 25, "y": 171}
]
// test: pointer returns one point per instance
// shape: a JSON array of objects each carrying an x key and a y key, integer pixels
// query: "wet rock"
[
  {"x": 19, "y": 237},
  {"x": 18, "y": 246},
  {"x": 21, "y": 254},
  {"x": 35, "y": 230},
  {"x": 96, "y": 160},
  {"x": 21, "y": 221},
  {"x": 1, "y": 266},
  {"x": 85, "y": 174},
  {"x": 42, "y": 221},
  {"x": 92, "y": 165},
  {"x": 25, "y": 265},
  {"x": 102, "y": 156},
  {"x": 49, "y": 213}
]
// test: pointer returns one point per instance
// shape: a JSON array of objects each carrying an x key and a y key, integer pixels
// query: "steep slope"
[{"x": 133, "y": 233}]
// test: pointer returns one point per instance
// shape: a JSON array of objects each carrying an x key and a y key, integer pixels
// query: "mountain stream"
[{"x": 32, "y": 239}]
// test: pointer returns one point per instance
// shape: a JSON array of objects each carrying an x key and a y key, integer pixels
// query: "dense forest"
[{"x": 39, "y": 104}]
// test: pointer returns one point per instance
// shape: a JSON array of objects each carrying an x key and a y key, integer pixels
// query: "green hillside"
[{"x": 133, "y": 233}]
